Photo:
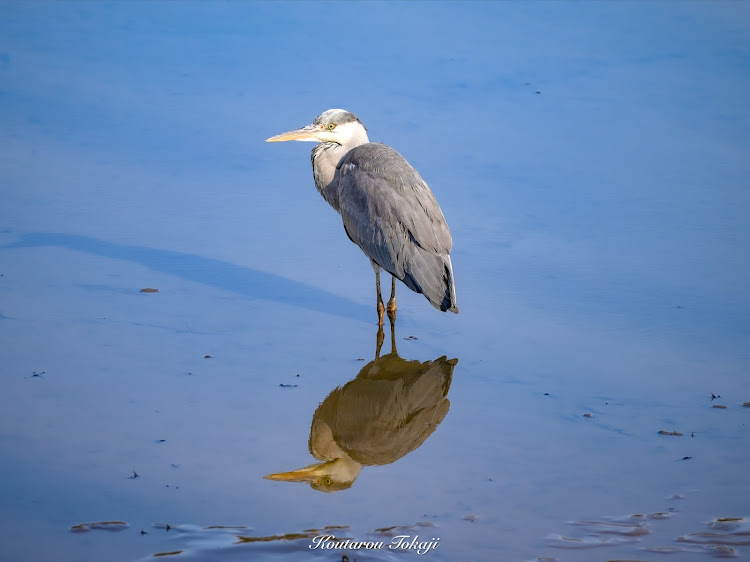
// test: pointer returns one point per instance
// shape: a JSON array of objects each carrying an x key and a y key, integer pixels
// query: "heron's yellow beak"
[
  {"x": 306, "y": 474},
  {"x": 308, "y": 133}
]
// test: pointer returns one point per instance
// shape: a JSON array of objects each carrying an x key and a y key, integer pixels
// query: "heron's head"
[
  {"x": 331, "y": 476},
  {"x": 335, "y": 125}
]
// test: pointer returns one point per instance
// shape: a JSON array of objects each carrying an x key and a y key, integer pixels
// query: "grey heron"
[{"x": 387, "y": 208}]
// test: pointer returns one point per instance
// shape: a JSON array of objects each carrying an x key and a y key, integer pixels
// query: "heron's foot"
[
  {"x": 392, "y": 310},
  {"x": 381, "y": 310}
]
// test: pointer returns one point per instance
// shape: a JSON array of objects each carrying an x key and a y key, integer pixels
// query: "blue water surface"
[{"x": 591, "y": 161}]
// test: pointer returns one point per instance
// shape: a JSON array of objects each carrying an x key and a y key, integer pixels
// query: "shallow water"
[{"x": 591, "y": 162}]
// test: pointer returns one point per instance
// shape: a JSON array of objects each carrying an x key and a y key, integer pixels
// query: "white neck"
[{"x": 327, "y": 155}]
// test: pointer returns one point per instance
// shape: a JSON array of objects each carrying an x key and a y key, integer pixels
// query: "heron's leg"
[
  {"x": 381, "y": 307},
  {"x": 381, "y": 337},
  {"x": 379, "y": 341},
  {"x": 392, "y": 301},
  {"x": 393, "y": 338}
]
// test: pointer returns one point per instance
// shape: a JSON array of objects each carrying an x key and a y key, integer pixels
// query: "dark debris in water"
[
  {"x": 395, "y": 530},
  {"x": 719, "y": 540},
  {"x": 663, "y": 549},
  {"x": 675, "y": 433},
  {"x": 134, "y": 475},
  {"x": 720, "y": 406},
  {"x": 282, "y": 385},
  {"x": 411, "y": 338},
  {"x": 305, "y": 534},
  {"x": 655, "y": 515},
  {"x": 113, "y": 526},
  {"x": 562, "y": 541},
  {"x": 613, "y": 528},
  {"x": 728, "y": 523},
  {"x": 609, "y": 531},
  {"x": 716, "y": 538},
  {"x": 723, "y": 534},
  {"x": 716, "y": 550},
  {"x": 149, "y": 290}
]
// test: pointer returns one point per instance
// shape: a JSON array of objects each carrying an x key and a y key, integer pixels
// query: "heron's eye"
[
  {"x": 327, "y": 480},
  {"x": 331, "y": 126}
]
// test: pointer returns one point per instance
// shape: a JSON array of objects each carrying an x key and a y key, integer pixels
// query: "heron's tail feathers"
[
  {"x": 449, "y": 300},
  {"x": 432, "y": 275}
]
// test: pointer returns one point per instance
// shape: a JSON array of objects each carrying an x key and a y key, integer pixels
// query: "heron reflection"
[{"x": 387, "y": 411}]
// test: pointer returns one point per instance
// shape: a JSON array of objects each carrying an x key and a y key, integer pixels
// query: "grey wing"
[{"x": 392, "y": 215}]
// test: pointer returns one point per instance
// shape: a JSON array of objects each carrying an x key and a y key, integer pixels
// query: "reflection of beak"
[
  {"x": 330, "y": 476},
  {"x": 308, "y": 133},
  {"x": 306, "y": 474}
]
